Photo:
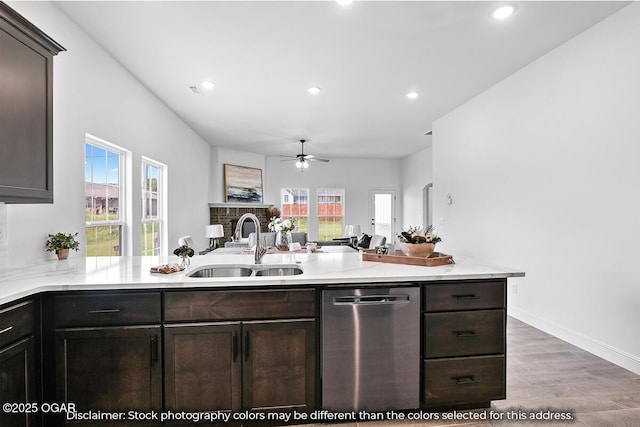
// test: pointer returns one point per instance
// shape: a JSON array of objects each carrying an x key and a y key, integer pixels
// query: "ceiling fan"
[{"x": 302, "y": 160}]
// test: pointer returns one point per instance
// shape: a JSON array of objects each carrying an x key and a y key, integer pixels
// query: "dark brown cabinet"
[
  {"x": 464, "y": 343},
  {"x": 17, "y": 365},
  {"x": 238, "y": 362},
  {"x": 26, "y": 110},
  {"x": 108, "y": 352}
]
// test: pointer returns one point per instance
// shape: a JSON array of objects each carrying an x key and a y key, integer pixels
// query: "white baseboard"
[{"x": 600, "y": 349}]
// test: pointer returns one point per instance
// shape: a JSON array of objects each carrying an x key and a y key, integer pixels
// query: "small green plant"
[{"x": 62, "y": 241}]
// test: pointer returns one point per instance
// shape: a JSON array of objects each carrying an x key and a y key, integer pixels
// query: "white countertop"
[{"x": 112, "y": 273}]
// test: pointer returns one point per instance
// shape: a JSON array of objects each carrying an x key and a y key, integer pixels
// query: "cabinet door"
[
  {"x": 25, "y": 120},
  {"x": 16, "y": 382},
  {"x": 279, "y": 365},
  {"x": 112, "y": 369},
  {"x": 202, "y": 367}
]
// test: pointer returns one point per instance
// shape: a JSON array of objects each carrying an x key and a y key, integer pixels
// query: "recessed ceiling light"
[
  {"x": 344, "y": 2},
  {"x": 503, "y": 12},
  {"x": 314, "y": 90},
  {"x": 208, "y": 85},
  {"x": 412, "y": 95}
]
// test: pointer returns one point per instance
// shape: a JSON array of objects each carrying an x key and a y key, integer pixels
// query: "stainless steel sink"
[
  {"x": 288, "y": 270},
  {"x": 221, "y": 271},
  {"x": 246, "y": 270}
]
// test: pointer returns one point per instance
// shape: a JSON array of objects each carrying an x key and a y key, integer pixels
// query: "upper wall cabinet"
[{"x": 26, "y": 110}]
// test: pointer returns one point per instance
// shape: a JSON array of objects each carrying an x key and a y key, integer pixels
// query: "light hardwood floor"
[{"x": 545, "y": 373}]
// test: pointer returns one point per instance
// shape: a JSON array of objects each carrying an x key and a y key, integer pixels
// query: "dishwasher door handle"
[{"x": 371, "y": 300}]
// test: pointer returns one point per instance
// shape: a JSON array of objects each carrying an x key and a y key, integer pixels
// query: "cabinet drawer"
[
  {"x": 464, "y": 380},
  {"x": 107, "y": 309},
  {"x": 464, "y": 333},
  {"x": 16, "y": 321},
  {"x": 246, "y": 305},
  {"x": 465, "y": 296}
]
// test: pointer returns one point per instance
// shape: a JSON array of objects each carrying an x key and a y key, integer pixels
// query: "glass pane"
[
  {"x": 103, "y": 240},
  {"x": 382, "y": 215},
  {"x": 150, "y": 239}
]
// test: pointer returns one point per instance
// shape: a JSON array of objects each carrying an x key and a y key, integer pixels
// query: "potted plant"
[
  {"x": 61, "y": 243},
  {"x": 418, "y": 242}
]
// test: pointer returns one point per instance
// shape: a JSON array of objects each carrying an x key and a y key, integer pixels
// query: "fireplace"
[{"x": 228, "y": 215}]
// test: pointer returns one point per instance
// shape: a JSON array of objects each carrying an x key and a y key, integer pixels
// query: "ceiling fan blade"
[
  {"x": 316, "y": 159},
  {"x": 288, "y": 160}
]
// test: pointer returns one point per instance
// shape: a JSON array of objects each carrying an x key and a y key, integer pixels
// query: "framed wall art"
[{"x": 242, "y": 184}]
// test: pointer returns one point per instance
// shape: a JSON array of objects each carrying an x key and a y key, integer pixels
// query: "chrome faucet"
[{"x": 260, "y": 250}]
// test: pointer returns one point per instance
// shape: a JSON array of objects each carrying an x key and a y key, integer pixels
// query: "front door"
[{"x": 383, "y": 213}]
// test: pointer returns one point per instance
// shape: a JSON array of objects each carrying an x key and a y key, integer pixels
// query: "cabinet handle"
[
  {"x": 465, "y": 297},
  {"x": 154, "y": 350},
  {"x": 6, "y": 329},
  {"x": 234, "y": 349},
  {"x": 105, "y": 311},
  {"x": 246, "y": 346},
  {"x": 465, "y": 380},
  {"x": 465, "y": 334}
]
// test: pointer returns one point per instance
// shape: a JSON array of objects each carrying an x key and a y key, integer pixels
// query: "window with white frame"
[
  {"x": 295, "y": 204},
  {"x": 104, "y": 197},
  {"x": 152, "y": 206},
  {"x": 330, "y": 213}
]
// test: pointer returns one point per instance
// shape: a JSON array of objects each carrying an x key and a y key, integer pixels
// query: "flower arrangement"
[
  {"x": 62, "y": 241},
  {"x": 184, "y": 251},
  {"x": 418, "y": 242},
  {"x": 282, "y": 225},
  {"x": 417, "y": 235}
]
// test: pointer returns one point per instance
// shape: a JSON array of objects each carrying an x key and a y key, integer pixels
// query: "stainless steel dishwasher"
[{"x": 371, "y": 348}]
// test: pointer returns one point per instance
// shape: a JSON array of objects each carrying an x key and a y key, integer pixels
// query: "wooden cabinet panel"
[
  {"x": 17, "y": 382},
  {"x": 107, "y": 309},
  {"x": 465, "y": 295},
  {"x": 15, "y": 322},
  {"x": 464, "y": 333},
  {"x": 279, "y": 365},
  {"x": 110, "y": 369},
  {"x": 239, "y": 305},
  {"x": 464, "y": 380},
  {"x": 26, "y": 110},
  {"x": 203, "y": 367}
]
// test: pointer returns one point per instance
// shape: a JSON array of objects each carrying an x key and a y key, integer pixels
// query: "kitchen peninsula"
[{"x": 170, "y": 342}]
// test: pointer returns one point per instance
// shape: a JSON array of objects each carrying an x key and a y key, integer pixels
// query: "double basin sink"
[{"x": 246, "y": 270}]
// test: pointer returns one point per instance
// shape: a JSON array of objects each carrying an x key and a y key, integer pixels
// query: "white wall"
[
  {"x": 222, "y": 155},
  {"x": 543, "y": 169},
  {"x": 94, "y": 94},
  {"x": 356, "y": 176},
  {"x": 417, "y": 171}
]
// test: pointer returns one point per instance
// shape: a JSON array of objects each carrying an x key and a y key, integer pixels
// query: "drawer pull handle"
[
  {"x": 466, "y": 297},
  {"x": 246, "y": 346},
  {"x": 465, "y": 380},
  {"x": 105, "y": 311},
  {"x": 6, "y": 329},
  {"x": 465, "y": 334}
]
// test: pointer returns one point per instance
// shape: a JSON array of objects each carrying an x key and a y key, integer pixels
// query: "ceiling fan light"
[
  {"x": 299, "y": 164},
  {"x": 305, "y": 164},
  {"x": 314, "y": 90}
]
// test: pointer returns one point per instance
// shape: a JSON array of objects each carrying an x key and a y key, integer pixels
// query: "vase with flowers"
[
  {"x": 418, "y": 241},
  {"x": 184, "y": 252},
  {"x": 283, "y": 228}
]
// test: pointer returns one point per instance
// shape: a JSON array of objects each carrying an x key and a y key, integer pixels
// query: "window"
[
  {"x": 152, "y": 206},
  {"x": 104, "y": 197},
  {"x": 330, "y": 213},
  {"x": 295, "y": 204}
]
